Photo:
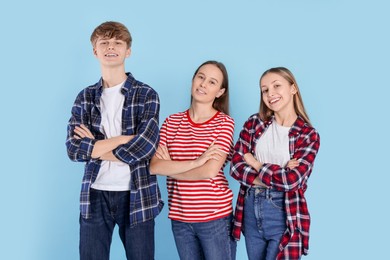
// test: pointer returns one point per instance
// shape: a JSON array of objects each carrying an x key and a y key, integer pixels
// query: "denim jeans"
[
  {"x": 110, "y": 208},
  {"x": 205, "y": 240},
  {"x": 264, "y": 223}
]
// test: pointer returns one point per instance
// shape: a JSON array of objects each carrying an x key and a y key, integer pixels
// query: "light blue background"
[{"x": 337, "y": 49}]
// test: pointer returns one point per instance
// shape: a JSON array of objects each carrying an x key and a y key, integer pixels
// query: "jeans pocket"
[
  {"x": 278, "y": 203},
  {"x": 229, "y": 224}
]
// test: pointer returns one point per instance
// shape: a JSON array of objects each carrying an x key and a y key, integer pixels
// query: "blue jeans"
[
  {"x": 264, "y": 223},
  {"x": 205, "y": 240},
  {"x": 110, "y": 208}
]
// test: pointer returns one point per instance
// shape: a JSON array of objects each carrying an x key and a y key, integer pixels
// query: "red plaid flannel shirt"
[{"x": 304, "y": 145}]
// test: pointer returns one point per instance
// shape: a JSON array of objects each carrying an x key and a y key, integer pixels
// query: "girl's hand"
[
  {"x": 292, "y": 164},
  {"x": 251, "y": 161},
  {"x": 258, "y": 182},
  {"x": 162, "y": 153},
  {"x": 214, "y": 152},
  {"x": 82, "y": 131}
]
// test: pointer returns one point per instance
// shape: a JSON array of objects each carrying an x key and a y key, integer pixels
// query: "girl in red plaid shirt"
[{"x": 273, "y": 159}]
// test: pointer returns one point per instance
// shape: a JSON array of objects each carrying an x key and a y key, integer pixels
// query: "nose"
[
  {"x": 110, "y": 46},
  {"x": 271, "y": 92},
  {"x": 203, "y": 84}
]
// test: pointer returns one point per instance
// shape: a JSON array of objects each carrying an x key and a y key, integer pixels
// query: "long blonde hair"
[{"x": 265, "y": 113}]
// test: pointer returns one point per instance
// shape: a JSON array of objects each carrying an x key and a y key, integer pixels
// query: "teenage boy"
[{"x": 114, "y": 130}]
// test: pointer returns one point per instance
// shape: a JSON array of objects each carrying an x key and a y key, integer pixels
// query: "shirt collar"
[
  {"x": 125, "y": 88},
  {"x": 296, "y": 128}
]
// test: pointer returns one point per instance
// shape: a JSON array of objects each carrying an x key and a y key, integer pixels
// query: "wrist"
[
  {"x": 123, "y": 139},
  {"x": 194, "y": 164},
  {"x": 258, "y": 165}
]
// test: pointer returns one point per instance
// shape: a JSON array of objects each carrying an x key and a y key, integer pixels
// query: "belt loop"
[
  {"x": 247, "y": 192},
  {"x": 267, "y": 194}
]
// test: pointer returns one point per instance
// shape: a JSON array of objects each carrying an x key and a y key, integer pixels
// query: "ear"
[
  {"x": 128, "y": 52},
  {"x": 94, "y": 52},
  {"x": 220, "y": 92},
  {"x": 294, "y": 89}
]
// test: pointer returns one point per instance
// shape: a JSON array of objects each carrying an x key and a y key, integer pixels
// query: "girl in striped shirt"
[{"x": 195, "y": 146}]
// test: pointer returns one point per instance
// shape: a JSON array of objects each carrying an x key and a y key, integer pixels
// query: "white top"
[
  {"x": 112, "y": 176},
  {"x": 273, "y": 145}
]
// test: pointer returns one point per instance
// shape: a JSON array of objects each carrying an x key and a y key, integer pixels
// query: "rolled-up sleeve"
[
  {"x": 78, "y": 150},
  {"x": 239, "y": 169},
  {"x": 144, "y": 144}
]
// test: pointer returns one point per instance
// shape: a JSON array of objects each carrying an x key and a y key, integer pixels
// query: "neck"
[
  {"x": 113, "y": 76},
  {"x": 201, "y": 112},
  {"x": 286, "y": 119}
]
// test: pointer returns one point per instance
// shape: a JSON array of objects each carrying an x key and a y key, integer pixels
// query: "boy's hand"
[{"x": 82, "y": 131}]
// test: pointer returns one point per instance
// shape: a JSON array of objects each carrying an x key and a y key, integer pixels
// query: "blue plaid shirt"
[{"x": 140, "y": 118}]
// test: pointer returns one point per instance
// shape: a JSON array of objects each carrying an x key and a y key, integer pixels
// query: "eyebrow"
[
  {"x": 108, "y": 39},
  {"x": 205, "y": 75},
  {"x": 271, "y": 83}
]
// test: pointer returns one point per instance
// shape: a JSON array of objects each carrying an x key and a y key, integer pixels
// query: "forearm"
[
  {"x": 204, "y": 167},
  {"x": 241, "y": 171},
  {"x": 291, "y": 179},
  {"x": 105, "y": 146},
  {"x": 79, "y": 150},
  {"x": 282, "y": 178},
  {"x": 199, "y": 173},
  {"x": 109, "y": 157},
  {"x": 142, "y": 147},
  {"x": 249, "y": 176},
  {"x": 206, "y": 171},
  {"x": 255, "y": 164},
  {"x": 145, "y": 142},
  {"x": 169, "y": 167}
]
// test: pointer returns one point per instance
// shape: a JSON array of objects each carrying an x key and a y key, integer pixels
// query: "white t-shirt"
[
  {"x": 112, "y": 176},
  {"x": 273, "y": 145}
]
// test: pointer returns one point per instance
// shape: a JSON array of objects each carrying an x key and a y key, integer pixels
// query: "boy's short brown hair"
[{"x": 109, "y": 30}]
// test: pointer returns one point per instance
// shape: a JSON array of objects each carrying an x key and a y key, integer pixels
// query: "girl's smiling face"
[
  {"x": 206, "y": 84},
  {"x": 277, "y": 93}
]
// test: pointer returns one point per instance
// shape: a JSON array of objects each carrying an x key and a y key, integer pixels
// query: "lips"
[
  {"x": 111, "y": 55},
  {"x": 274, "y": 100},
  {"x": 200, "y": 92}
]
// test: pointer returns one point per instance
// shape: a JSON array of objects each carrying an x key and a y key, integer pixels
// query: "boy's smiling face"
[{"x": 111, "y": 52}]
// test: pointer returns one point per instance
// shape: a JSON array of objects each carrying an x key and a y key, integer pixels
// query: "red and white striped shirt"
[{"x": 198, "y": 200}]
